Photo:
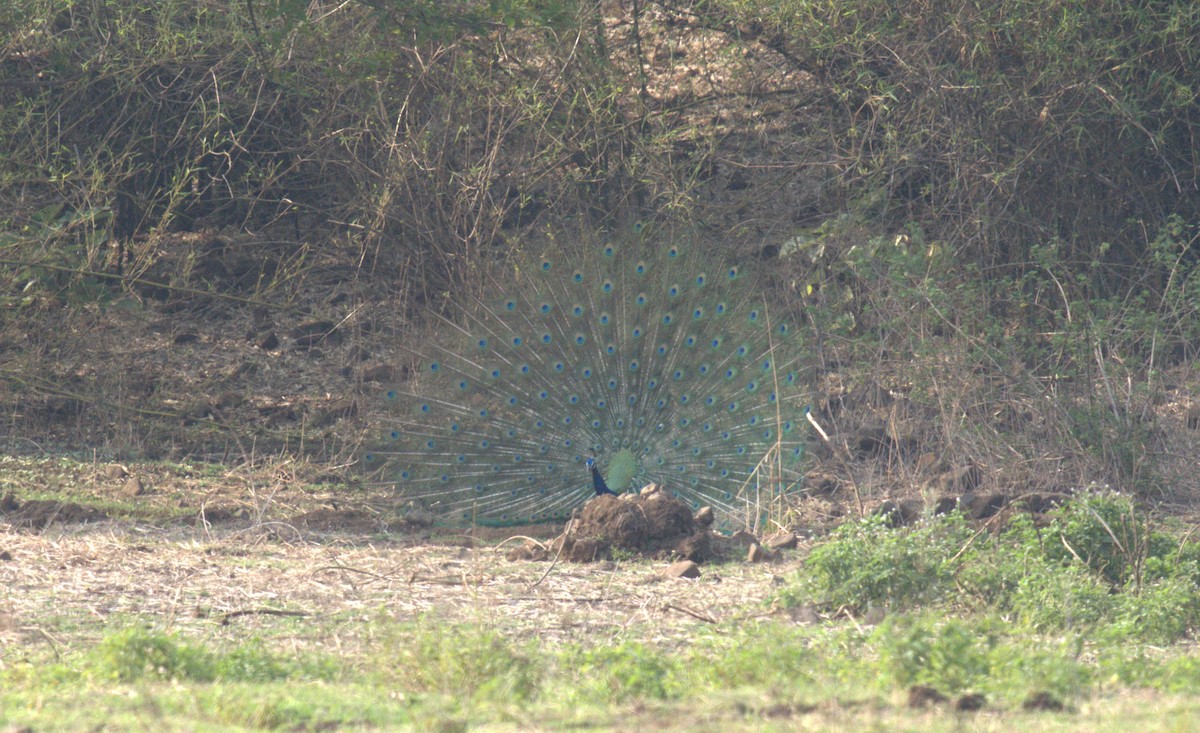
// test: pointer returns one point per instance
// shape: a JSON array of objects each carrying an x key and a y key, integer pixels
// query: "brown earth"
[{"x": 655, "y": 525}]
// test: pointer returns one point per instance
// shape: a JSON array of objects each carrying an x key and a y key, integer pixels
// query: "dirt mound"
[
  {"x": 41, "y": 513},
  {"x": 657, "y": 525}
]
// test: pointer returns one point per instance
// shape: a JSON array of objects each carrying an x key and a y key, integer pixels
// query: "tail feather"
[{"x": 663, "y": 372}]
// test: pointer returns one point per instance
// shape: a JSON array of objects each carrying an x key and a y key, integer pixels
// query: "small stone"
[
  {"x": 782, "y": 540},
  {"x": 651, "y": 489},
  {"x": 133, "y": 487},
  {"x": 704, "y": 517},
  {"x": 5, "y": 556},
  {"x": 756, "y": 553},
  {"x": 970, "y": 702},
  {"x": 683, "y": 569},
  {"x": 114, "y": 471},
  {"x": 8, "y": 503},
  {"x": 187, "y": 337}
]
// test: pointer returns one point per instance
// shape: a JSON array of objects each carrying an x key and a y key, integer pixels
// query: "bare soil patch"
[{"x": 70, "y": 582}]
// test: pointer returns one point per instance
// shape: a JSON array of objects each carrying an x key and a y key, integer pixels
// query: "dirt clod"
[
  {"x": 41, "y": 513},
  {"x": 922, "y": 696},
  {"x": 899, "y": 513},
  {"x": 133, "y": 487},
  {"x": 267, "y": 341},
  {"x": 782, "y": 540},
  {"x": 970, "y": 702},
  {"x": 1043, "y": 701},
  {"x": 743, "y": 538},
  {"x": 682, "y": 569},
  {"x": 312, "y": 333},
  {"x": 657, "y": 525}
]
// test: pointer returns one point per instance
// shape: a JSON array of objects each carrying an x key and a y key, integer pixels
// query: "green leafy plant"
[
  {"x": 626, "y": 671},
  {"x": 468, "y": 663},
  {"x": 946, "y": 654},
  {"x": 869, "y": 563},
  {"x": 135, "y": 654}
]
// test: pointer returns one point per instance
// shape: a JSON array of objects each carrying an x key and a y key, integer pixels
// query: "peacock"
[{"x": 634, "y": 363}]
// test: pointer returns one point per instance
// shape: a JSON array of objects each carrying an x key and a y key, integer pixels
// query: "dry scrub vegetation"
[{"x": 219, "y": 224}]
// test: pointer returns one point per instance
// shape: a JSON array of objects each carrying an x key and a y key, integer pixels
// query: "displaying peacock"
[{"x": 638, "y": 363}]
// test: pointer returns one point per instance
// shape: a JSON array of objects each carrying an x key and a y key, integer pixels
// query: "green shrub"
[
  {"x": 1018, "y": 668},
  {"x": 1105, "y": 531},
  {"x": 459, "y": 661},
  {"x": 771, "y": 655},
  {"x": 254, "y": 662},
  {"x": 948, "y": 655},
  {"x": 1180, "y": 675},
  {"x": 869, "y": 563},
  {"x": 627, "y": 671},
  {"x": 1051, "y": 597},
  {"x": 137, "y": 654},
  {"x": 1162, "y": 611}
]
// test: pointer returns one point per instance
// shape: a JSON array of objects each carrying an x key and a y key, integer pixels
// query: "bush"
[
  {"x": 1098, "y": 564},
  {"x": 1162, "y": 611},
  {"x": 869, "y": 563},
  {"x": 137, "y": 654},
  {"x": 948, "y": 655},
  {"x": 458, "y": 661},
  {"x": 1051, "y": 597},
  {"x": 628, "y": 671},
  {"x": 772, "y": 655}
]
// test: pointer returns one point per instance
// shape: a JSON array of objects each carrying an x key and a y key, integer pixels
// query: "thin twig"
[
  {"x": 226, "y": 618},
  {"x": 694, "y": 614}
]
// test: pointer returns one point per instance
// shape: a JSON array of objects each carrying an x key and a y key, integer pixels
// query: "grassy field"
[{"x": 270, "y": 620}]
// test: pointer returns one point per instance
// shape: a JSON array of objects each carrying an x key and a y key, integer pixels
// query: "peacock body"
[{"x": 647, "y": 362}]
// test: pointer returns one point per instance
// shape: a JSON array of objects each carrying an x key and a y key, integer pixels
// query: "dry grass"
[{"x": 68, "y": 584}]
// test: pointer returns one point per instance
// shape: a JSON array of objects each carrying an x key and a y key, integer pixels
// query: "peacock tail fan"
[{"x": 666, "y": 367}]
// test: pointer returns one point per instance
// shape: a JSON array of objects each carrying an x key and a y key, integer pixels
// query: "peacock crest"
[{"x": 647, "y": 362}]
